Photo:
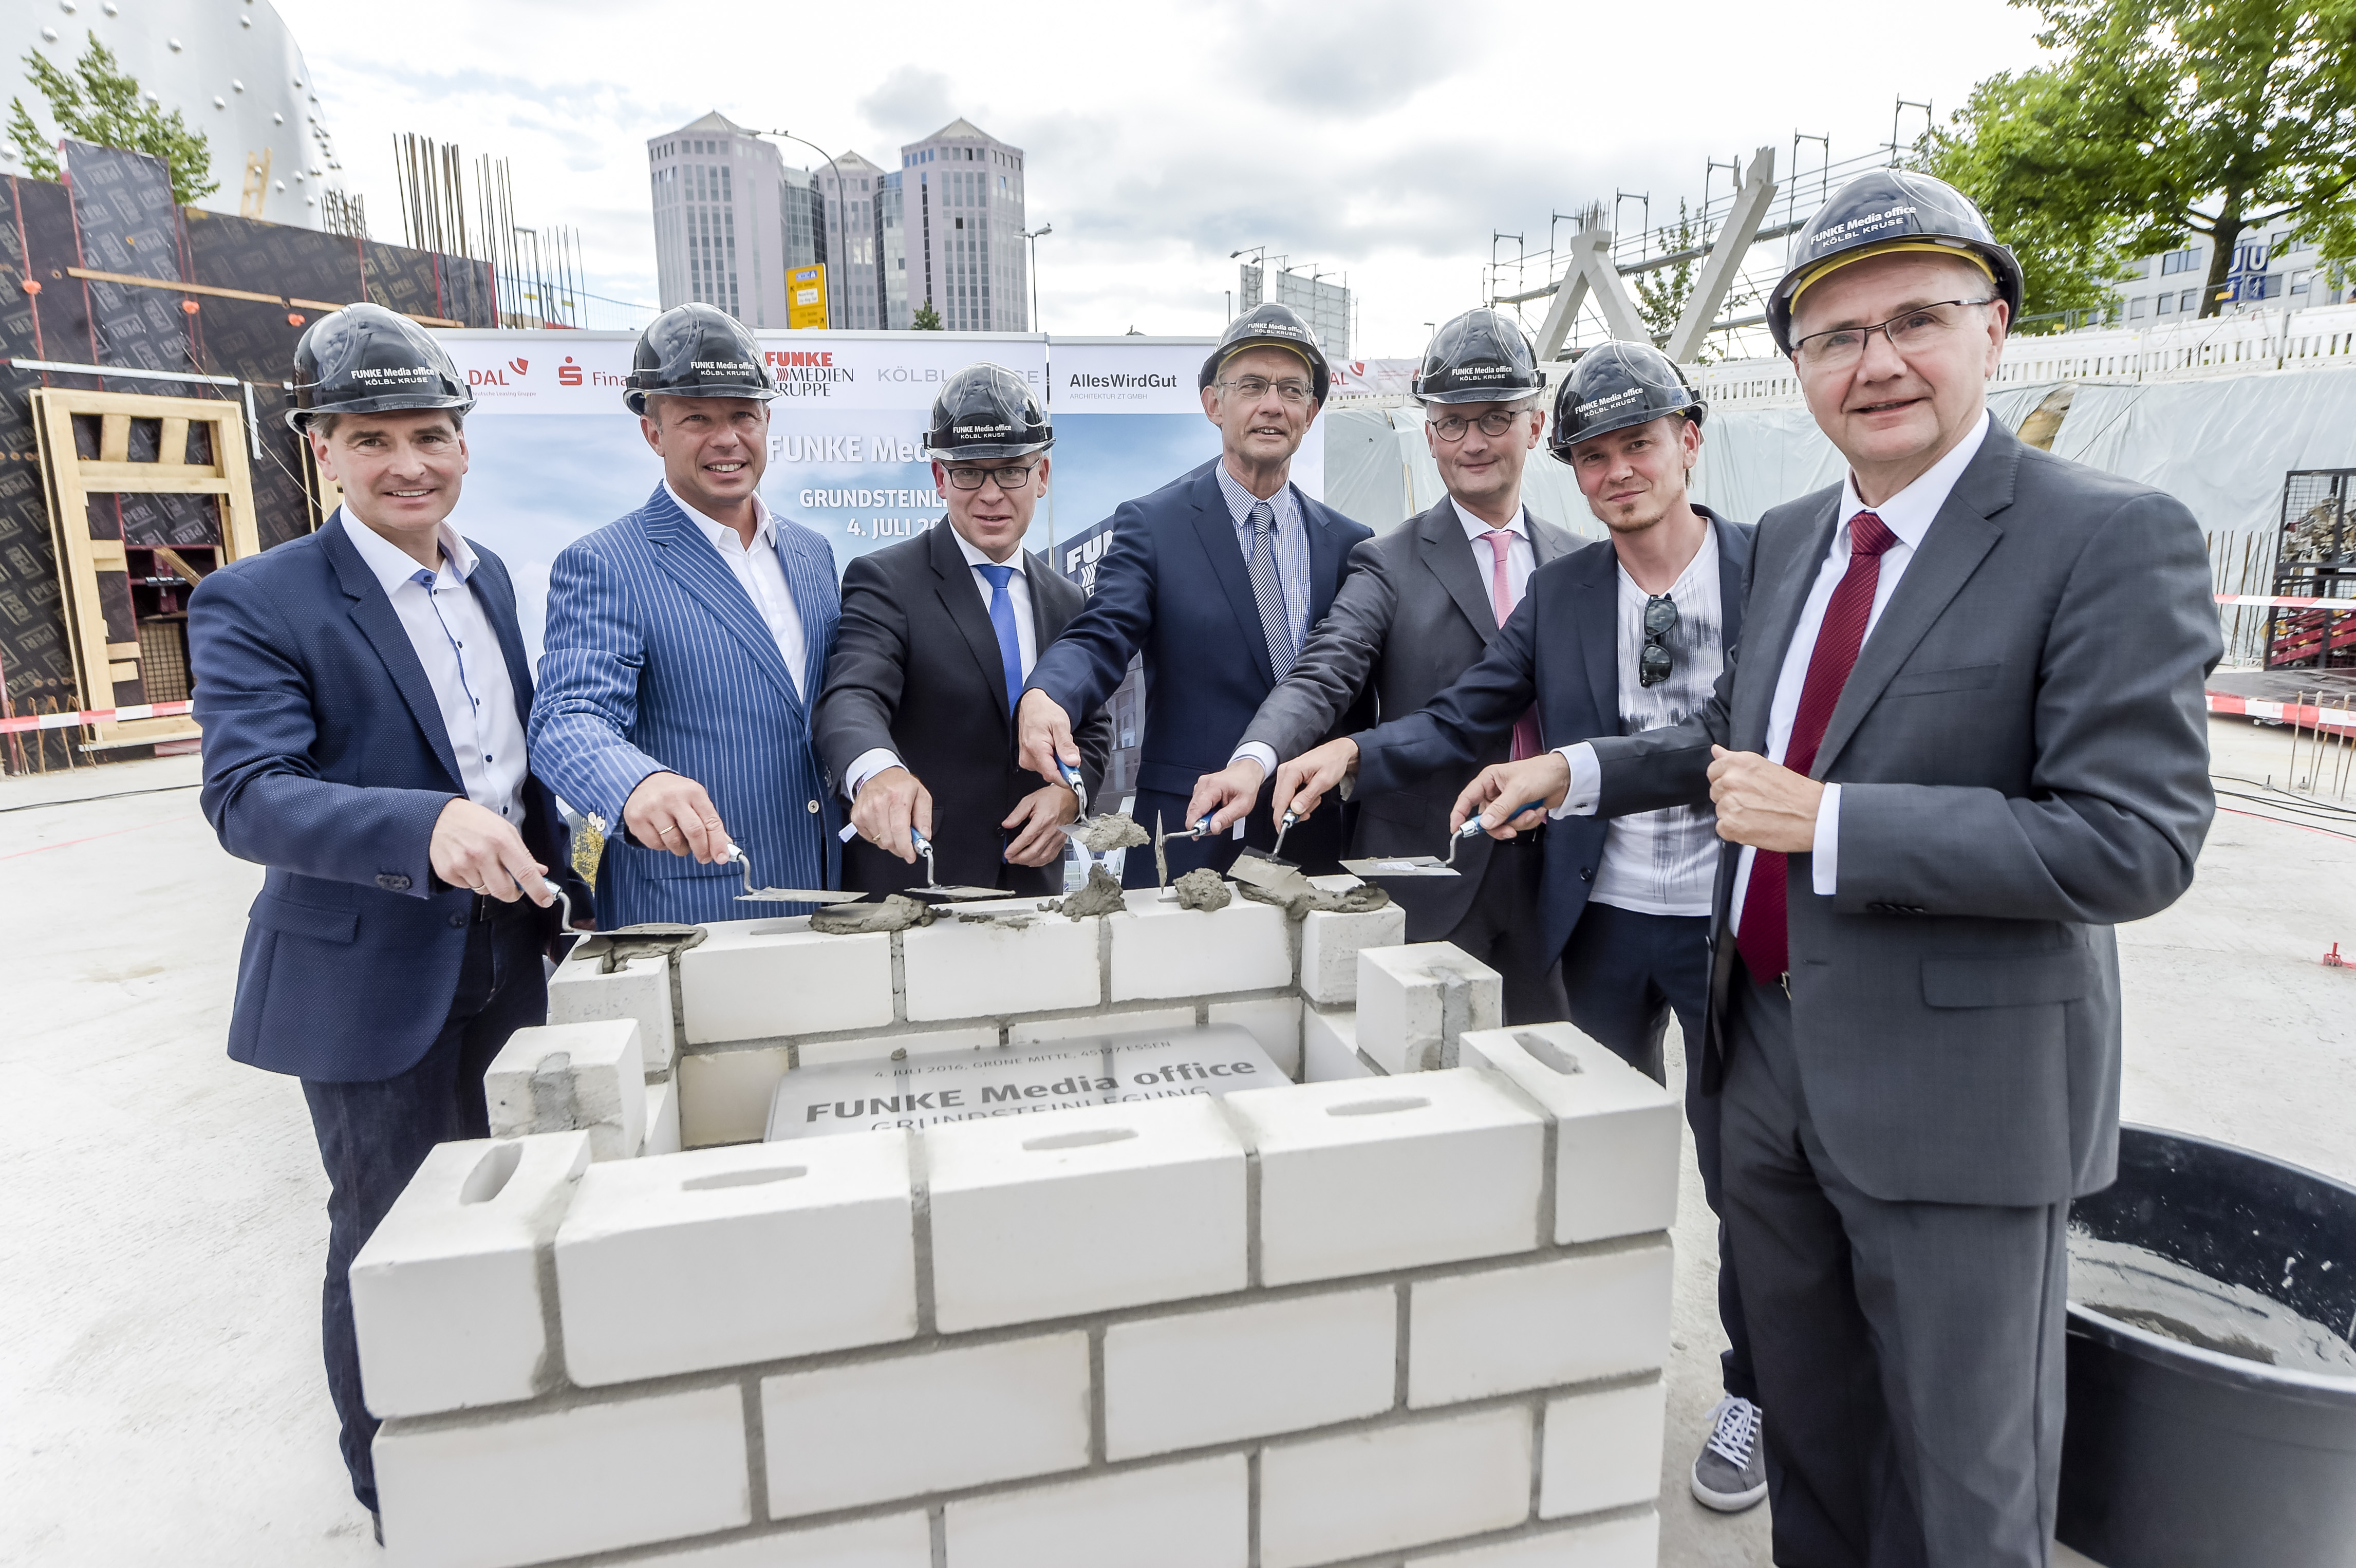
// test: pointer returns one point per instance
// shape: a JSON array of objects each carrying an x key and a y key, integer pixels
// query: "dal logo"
[{"x": 498, "y": 378}]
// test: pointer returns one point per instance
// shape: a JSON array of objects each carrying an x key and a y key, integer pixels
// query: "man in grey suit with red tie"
[{"x": 1962, "y": 738}]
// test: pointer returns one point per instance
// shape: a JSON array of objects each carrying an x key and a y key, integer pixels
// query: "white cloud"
[{"x": 1379, "y": 137}]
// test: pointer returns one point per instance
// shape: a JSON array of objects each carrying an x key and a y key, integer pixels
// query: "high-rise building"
[
  {"x": 730, "y": 218},
  {"x": 859, "y": 263},
  {"x": 961, "y": 199}
]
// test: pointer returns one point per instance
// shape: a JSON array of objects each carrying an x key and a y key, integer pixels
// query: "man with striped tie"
[
  {"x": 686, "y": 646},
  {"x": 1423, "y": 604},
  {"x": 1215, "y": 578},
  {"x": 917, "y": 720},
  {"x": 1962, "y": 738}
]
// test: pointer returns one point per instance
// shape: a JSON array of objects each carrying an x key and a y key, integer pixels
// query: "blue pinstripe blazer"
[{"x": 656, "y": 660}]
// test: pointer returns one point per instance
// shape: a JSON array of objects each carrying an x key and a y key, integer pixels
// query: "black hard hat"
[
  {"x": 1878, "y": 208},
  {"x": 1480, "y": 357},
  {"x": 1274, "y": 326},
  {"x": 697, "y": 350},
  {"x": 365, "y": 358},
  {"x": 986, "y": 411},
  {"x": 1614, "y": 387}
]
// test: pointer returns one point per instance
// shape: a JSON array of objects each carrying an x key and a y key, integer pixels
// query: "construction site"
[{"x": 1405, "y": 1286}]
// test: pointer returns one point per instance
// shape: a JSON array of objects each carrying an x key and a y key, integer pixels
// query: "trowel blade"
[
  {"x": 1259, "y": 871},
  {"x": 954, "y": 893},
  {"x": 1400, "y": 865},
  {"x": 797, "y": 896}
]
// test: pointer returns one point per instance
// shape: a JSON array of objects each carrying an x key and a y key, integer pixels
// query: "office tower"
[
  {"x": 962, "y": 209},
  {"x": 730, "y": 218}
]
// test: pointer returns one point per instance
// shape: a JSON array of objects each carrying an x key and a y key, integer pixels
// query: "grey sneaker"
[{"x": 1729, "y": 1474}]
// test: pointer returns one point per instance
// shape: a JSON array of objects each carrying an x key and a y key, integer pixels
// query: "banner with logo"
[{"x": 553, "y": 453}]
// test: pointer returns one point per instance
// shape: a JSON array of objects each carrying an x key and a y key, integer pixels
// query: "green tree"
[
  {"x": 925, "y": 319},
  {"x": 1661, "y": 294},
  {"x": 100, "y": 103},
  {"x": 2161, "y": 118}
]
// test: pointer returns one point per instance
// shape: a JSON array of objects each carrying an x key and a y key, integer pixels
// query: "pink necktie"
[{"x": 1502, "y": 600}]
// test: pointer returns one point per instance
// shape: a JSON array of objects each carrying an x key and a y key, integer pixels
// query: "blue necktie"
[{"x": 1001, "y": 620}]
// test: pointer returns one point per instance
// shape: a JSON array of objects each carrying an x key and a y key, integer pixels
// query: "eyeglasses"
[
  {"x": 1654, "y": 665},
  {"x": 1916, "y": 329},
  {"x": 1010, "y": 479},
  {"x": 1251, "y": 389},
  {"x": 1496, "y": 422}
]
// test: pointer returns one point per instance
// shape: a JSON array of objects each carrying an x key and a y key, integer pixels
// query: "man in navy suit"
[
  {"x": 363, "y": 692},
  {"x": 687, "y": 646},
  {"x": 1622, "y": 637},
  {"x": 1217, "y": 578}
]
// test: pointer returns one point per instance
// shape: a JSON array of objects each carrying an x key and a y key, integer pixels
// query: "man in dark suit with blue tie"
[
  {"x": 917, "y": 722},
  {"x": 1216, "y": 577},
  {"x": 363, "y": 692},
  {"x": 686, "y": 647}
]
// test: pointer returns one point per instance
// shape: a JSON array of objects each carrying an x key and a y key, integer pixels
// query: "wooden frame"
[{"x": 72, "y": 479}]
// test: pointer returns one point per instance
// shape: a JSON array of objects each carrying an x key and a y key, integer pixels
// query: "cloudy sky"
[{"x": 1380, "y": 138}]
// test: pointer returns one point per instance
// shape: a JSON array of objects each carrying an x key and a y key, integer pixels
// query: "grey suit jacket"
[
  {"x": 2023, "y": 758},
  {"x": 1413, "y": 614}
]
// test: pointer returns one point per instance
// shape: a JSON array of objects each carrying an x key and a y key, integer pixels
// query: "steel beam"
[{"x": 1727, "y": 251}]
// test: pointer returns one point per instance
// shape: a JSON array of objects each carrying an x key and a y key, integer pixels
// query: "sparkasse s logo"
[{"x": 568, "y": 375}]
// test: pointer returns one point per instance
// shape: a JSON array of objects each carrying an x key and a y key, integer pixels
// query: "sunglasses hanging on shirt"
[{"x": 1654, "y": 665}]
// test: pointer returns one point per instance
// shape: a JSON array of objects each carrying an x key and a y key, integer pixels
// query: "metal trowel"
[
  {"x": 1427, "y": 865},
  {"x": 753, "y": 895},
  {"x": 932, "y": 889}
]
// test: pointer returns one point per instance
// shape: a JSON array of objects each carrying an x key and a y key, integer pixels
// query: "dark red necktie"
[{"x": 1765, "y": 940}]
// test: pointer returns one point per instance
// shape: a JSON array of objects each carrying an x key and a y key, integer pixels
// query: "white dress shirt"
[
  {"x": 1521, "y": 560},
  {"x": 453, "y": 640},
  {"x": 876, "y": 759},
  {"x": 1908, "y": 514},
  {"x": 761, "y": 574}
]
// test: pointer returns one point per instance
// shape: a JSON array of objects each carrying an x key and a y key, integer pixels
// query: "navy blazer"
[
  {"x": 656, "y": 659},
  {"x": 1173, "y": 585},
  {"x": 326, "y": 760},
  {"x": 1560, "y": 648}
]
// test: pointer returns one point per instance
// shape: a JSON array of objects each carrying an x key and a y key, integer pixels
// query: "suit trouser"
[
  {"x": 1911, "y": 1354},
  {"x": 1501, "y": 930},
  {"x": 1625, "y": 972},
  {"x": 373, "y": 1135}
]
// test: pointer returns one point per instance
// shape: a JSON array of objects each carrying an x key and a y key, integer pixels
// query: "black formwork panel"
[{"x": 2315, "y": 557}]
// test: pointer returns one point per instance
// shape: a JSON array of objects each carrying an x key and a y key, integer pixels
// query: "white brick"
[
  {"x": 558, "y": 1077},
  {"x": 736, "y": 985},
  {"x": 1329, "y": 1048},
  {"x": 724, "y": 1096},
  {"x": 640, "y": 988},
  {"x": 445, "y": 1295},
  {"x": 1633, "y": 1542},
  {"x": 903, "y": 1427},
  {"x": 1330, "y": 941},
  {"x": 662, "y": 1120},
  {"x": 1194, "y": 1515},
  {"x": 1615, "y": 1129},
  {"x": 1602, "y": 1451},
  {"x": 956, "y": 969},
  {"x": 1160, "y": 949},
  {"x": 593, "y": 1478},
  {"x": 1569, "y": 1321},
  {"x": 1274, "y": 1021},
  {"x": 1039, "y": 1030},
  {"x": 1200, "y": 1378},
  {"x": 1392, "y": 1486},
  {"x": 1359, "y": 1178},
  {"x": 894, "y": 1540},
  {"x": 879, "y": 1047},
  {"x": 722, "y": 1257},
  {"x": 1405, "y": 1020},
  {"x": 1083, "y": 1210}
]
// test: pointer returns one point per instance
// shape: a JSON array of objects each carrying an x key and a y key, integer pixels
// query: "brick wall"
[{"x": 1413, "y": 1310}]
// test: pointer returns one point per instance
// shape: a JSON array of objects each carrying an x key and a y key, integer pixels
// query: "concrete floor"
[{"x": 162, "y": 1208}]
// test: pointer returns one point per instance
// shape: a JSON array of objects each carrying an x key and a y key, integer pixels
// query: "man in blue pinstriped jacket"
[{"x": 686, "y": 647}]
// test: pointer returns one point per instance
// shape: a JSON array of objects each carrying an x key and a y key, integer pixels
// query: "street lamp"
[
  {"x": 832, "y": 282},
  {"x": 1033, "y": 235}
]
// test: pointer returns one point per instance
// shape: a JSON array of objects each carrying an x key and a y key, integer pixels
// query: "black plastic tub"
[{"x": 2179, "y": 1455}]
